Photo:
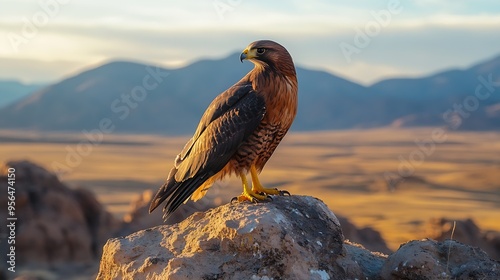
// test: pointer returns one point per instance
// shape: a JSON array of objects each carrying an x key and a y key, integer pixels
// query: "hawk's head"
[{"x": 268, "y": 53}]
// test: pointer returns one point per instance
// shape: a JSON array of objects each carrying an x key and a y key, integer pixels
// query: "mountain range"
[
  {"x": 139, "y": 98},
  {"x": 12, "y": 91}
]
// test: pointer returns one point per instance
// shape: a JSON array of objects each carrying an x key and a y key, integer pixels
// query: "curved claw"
[
  {"x": 276, "y": 191},
  {"x": 244, "y": 197},
  {"x": 283, "y": 192}
]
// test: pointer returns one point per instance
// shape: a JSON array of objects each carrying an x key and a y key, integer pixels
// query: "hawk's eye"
[{"x": 261, "y": 50}]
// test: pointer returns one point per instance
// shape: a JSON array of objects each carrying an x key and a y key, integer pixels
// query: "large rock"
[
  {"x": 293, "y": 237},
  {"x": 432, "y": 260},
  {"x": 139, "y": 218},
  {"x": 465, "y": 231},
  {"x": 55, "y": 224},
  {"x": 360, "y": 263}
]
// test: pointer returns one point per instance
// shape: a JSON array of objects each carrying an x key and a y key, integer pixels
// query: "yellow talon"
[
  {"x": 248, "y": 193},
  {"x": 257, "y": 192},
  {"x": 258, "y": 188}
]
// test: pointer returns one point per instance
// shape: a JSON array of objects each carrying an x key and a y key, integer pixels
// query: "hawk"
[{"x": 238, "y": 132}]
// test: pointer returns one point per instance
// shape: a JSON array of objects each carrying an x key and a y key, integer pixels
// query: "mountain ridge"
[
  {"x": 13, "y": 90},
  {"x": 175, "y": 99}
]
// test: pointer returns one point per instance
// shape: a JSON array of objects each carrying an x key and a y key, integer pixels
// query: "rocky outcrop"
[
  {"x": 294, "y": 237},
  {"x": 139, "y": 218},
  {"x": 55, "y": 224},
  {"x": 466, "y": 231},
  {"x": 360, "y": 263},
  {"x": 430, "y": 259}
]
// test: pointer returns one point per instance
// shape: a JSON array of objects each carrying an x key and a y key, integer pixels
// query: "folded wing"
[{"x": 226, "y": 124}]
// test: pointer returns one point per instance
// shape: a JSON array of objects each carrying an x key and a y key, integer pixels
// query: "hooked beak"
[{"x": 248, "y": 54}]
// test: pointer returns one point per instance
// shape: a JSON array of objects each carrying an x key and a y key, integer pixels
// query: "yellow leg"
[
  {"x": 258, "y": 188},
  {"x": 248, "y": 194}
]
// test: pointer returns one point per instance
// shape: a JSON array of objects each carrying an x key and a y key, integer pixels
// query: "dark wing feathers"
[
  {"x": 219, "y": 106},
  {"x": 181, "y": 192},
  {"x": 229, "y": 120}
]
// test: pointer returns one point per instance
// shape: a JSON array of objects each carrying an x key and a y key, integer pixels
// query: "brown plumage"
[{"x": 238, "y": 132}]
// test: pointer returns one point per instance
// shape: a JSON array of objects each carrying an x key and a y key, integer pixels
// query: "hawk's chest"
[{"x": 281, "y": 104}]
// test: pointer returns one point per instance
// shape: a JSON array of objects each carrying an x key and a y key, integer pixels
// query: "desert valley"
[{"x": 373, "y": 177}]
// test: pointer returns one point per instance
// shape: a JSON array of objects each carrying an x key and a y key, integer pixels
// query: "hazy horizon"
[
  {"x": 173, "y": 67},
  {"x": 363, "y": 41}
]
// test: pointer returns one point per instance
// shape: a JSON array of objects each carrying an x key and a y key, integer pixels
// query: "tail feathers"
[
  {"x": 162, "y": 194},
  {"x": 175, "y": 193}
]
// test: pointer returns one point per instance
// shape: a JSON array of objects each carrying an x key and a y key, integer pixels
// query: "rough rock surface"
[
  {"x": 430, "y": 259},
  {"x": 295, "y": 237},
  {"x": 360, "y": 263},
  {"x": 289, "y": 238},
  {"x": 466, "y": 231},
  {"x": 55, "y": 224},
  {"x": 139, "y": 218}
]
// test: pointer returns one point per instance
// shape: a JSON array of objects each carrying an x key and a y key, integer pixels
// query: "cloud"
[
  {"x": 37, "y": 71},
  {"x": 426, "y": 36}
]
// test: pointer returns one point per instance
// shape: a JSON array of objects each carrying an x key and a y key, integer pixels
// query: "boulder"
[
  {"x": 293, "y": 237},
  {"x": 360, "y": 263},
  {"x": 466, "y": 231},
  {"x": 430, "y": 259},
  {"x": 55, "y": 224},
  {"x": 139, "y": 218}
]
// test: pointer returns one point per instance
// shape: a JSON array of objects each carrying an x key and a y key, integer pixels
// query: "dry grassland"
[{"x": 458, "y": 178}]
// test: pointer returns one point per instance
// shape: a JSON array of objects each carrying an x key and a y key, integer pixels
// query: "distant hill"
[
  {"x": 11, "y": 91},
  {"x": 171, "y": 101},
  {"x": 423, "y": 101}
]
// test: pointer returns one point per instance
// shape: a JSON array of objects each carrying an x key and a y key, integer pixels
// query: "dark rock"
[
  {"x": 466, "y": 231},
  {"x": 429, "y": 259},
  {"x": 55, "y": 224}
]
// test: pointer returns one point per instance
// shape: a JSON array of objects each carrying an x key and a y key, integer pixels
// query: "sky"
[{"x": 363, "y": 41}]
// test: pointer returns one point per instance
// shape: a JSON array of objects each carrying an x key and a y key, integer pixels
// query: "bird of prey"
[{"x": 238, "y": 132}]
